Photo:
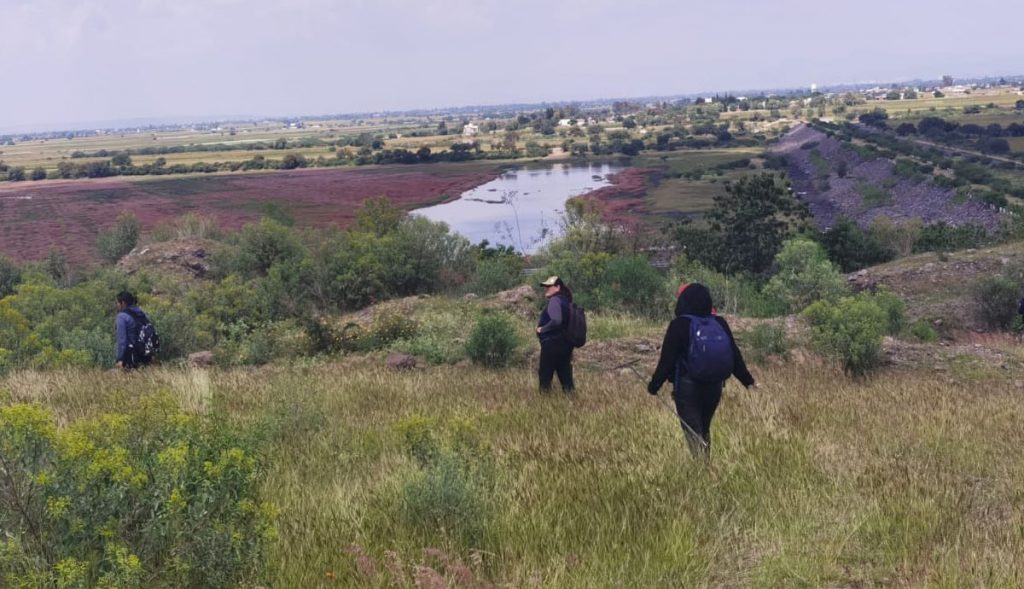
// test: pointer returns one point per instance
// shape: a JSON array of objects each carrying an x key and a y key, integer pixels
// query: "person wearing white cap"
[{"x": 555, "y": 349}]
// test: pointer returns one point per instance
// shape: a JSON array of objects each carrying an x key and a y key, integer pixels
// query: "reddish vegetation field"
[
  {"x": 35, "y": 217},
  {"x": 624, "y": 202}
]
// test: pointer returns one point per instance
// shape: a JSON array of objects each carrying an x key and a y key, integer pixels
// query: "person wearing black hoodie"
[{"x": 695, "y": 401}]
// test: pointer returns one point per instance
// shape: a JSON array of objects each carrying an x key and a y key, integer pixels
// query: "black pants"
[
  {"x": 555, "y": 356},
  {"x": 696, "y": 403}
]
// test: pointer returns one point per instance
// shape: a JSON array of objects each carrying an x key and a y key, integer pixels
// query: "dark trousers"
[
  {"x": 696, "y": 403},
  {"x": 555, "y": 357}
]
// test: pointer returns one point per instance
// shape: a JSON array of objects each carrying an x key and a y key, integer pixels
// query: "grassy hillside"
[{"x": 904, "y": 479}]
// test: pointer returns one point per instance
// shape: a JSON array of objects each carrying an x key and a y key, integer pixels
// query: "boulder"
[
  {"x": 401, "y": 361},
  {"x": 520, "y": 300},
  {"x": 202, "y": 359}
]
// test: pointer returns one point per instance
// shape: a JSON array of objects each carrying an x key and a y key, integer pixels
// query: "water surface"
[{"x": 523, "y": 206}]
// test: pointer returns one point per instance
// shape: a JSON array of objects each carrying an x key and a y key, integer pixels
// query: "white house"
[{"x": 470, "y": 130}]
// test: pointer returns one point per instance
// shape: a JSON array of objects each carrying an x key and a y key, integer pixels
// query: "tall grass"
[{"x": 902, "y": 479}]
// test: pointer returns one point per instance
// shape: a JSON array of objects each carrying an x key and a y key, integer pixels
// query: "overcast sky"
[{"x": 71, "y": 61}]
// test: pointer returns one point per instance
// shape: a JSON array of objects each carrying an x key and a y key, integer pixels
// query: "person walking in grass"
[
  {"x": 137, "y": 341},
  {"x": 555, "y": 348},
  {"x": 699, "y": 354}
]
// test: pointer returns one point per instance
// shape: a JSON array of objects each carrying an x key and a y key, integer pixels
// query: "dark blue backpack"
[{"x": 709, "y": 358}]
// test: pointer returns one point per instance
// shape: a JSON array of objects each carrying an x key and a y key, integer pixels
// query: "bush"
[
  {"x": 631, "y": 284},
  {"x": 738, "y": 294},
  {"x": 893, "y": 307},
  {"x": 149, "y": 494},
  {"x": 895, "y": 239},
  {"x": 495, "y": 274},
  {"x": 850, "y": 329},
  {"x": 923, "y": 331},
  {"x": 852, "y": 248},
  {"x": 10, "y": 276},
  {"x": 452, "y": 492},
  {"x": 804, "y": 275},
  {"x": 391, "y": 326},
  {"x": 764, "y": 340},
  {"x": 493, "y": 340},
  {"x": 942, "y": 237},
  {"x": 995, "y": 300},
  {"x": 440, "y": 338},
  {"x": 121, "y": 239}
]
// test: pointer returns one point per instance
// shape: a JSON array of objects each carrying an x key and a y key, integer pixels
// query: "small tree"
[
  {"x": 39, "y": 173},
  {"x": 119, "y": 240},
  {"x": 852, "y": 248},
  {"x": 754, "y": 217},
  {"x": 805, "y": 275}
]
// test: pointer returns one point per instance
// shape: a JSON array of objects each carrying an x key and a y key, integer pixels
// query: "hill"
[{"x": 834, "y": 179}]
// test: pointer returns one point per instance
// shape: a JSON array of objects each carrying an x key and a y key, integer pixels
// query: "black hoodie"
[{"x": 695, "y": 300}]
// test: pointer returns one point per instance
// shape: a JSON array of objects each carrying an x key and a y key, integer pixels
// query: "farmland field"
[{"x": 35, "y": 217}]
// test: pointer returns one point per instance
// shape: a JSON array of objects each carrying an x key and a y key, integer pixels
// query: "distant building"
[{"x": 470, "y": 130}]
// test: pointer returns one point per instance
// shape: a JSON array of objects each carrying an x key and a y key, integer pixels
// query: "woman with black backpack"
[
  {"x": 555, "y": 347},
  {"x": 699, "y": 353}
]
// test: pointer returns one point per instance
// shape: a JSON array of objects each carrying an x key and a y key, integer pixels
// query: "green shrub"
[
  {"x": 995, "y": 300},
  {"x": 633, "y": 285},
  {"x": 258, "y": 247},
  {"x": 922, "y": 330},
  {"x": 894, "y": 309},
  {"x": 850, "y": 329},
  {"x": 495, "y": 274},
  {"x": 10, "y": 276},
  {"x": 119, "y": 240},
  {"x": 391, "y": 326},
  {"x": 441, "y": 337},
  {"x": 493, "y": 341},
  {"x": 451, "y": 494},
  {"x": 942, "y": 237},
  {"x": 764, "y": 340},
  {"x": 852, "y": 248},
  {"x": 735, "y": 295},
  {"x": 804, "y": 275},
  {"x": 149, "y": 494}
]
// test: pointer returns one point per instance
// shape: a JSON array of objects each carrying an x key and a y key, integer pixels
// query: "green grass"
[
  {"x": 897, "y": 480},
  {"x": 678, "y": 195},
  {"x": 1016, "y": 144},
  {"x": 821, "y": 166},
  {"x": 873, "y": 196},
  {"x": 681, "y": 162}
]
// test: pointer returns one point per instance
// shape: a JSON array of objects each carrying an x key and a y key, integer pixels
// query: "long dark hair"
[
  {"x": 563, "y": 289},
  {"x": 127, "y": 298}
]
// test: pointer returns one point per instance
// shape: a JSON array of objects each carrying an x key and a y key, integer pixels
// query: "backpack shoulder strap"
[{"x": 140, "y": 317}]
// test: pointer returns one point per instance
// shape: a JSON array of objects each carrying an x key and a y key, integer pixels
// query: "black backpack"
[
  {"x": 147, "y": 339},
  {"x": 575, "y": 325}
]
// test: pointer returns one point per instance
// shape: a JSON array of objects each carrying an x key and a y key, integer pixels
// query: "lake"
[{"x": 523, "y": 206}]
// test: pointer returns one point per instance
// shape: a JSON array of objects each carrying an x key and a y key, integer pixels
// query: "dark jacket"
[
  {"x": 128, "y": 333},
  {"x": 553, "y": 318},
  {"x": 695, "y": 300}
]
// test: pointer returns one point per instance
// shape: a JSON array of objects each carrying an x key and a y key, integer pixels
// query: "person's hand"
[
  {"x": 120, "y": 364},
  {"x": 755, "y": 385},
  {"x": 538, "y": 330},
  {"x": 651, "y": 389}
]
